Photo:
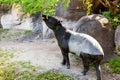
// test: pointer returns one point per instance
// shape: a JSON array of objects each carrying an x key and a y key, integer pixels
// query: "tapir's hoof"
[
  {"x": 68, "y": 67},
  {"x": 83, "y": 72},
  {"x": 63, "y": 63}
]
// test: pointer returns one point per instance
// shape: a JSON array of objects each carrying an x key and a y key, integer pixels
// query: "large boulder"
[
  {"x": 3, "y": 10},
  {"x": 99, "y": 27},
  {"x": 39, "y": 30},
  {"x": 117, "y": 36},
  {"x": 75, "y": 10},
  {"x": 17, "y": 19}
]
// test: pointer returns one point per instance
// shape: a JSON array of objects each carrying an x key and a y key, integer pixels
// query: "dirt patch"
[{"x": 47, "y": 55}]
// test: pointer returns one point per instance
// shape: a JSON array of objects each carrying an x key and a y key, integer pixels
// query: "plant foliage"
[
  {"x": 114, "y": 20},
  {"x": 115, "y": 65},
  {"x": 34, "y": 6},
  {"x": 89, "y": 6}
]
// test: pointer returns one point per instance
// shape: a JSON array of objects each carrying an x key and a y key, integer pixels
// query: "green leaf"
[{"x": 34, "y": 6}]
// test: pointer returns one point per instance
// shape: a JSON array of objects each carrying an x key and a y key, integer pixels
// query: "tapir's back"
[{"x": 80, "y": 42}]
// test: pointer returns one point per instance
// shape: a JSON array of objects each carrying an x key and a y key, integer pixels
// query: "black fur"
[
  {"x": 63, "y": 37},
  {"x": 94, "y": 59}
]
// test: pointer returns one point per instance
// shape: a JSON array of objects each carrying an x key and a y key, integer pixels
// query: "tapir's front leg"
[{"x": 65, "y": 58}]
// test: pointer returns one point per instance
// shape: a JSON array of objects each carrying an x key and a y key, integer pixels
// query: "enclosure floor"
[{"x": 47, "y": 55}]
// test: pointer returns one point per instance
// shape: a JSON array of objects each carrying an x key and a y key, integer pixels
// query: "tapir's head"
[{"x": 51, "y": 22}]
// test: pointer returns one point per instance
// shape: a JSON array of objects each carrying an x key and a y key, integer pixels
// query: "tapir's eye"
[{"x": 58, "y": 22}]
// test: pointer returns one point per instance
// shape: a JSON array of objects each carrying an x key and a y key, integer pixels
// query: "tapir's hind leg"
[
  {"x": 97, "y": 67},
  {"x": 98, "y": 71},
  {"x": 85, "y": 61},
  {"x": 86, "y": 67}
]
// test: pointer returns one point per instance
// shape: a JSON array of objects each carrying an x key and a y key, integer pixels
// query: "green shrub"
[
  {"x": 34, "y": 6},
  {"x": 26, "y": 71},
  {"x": 118, "y": 50},
  {"x": 115, "y": 65},
  {"x": 53, "y": 75},
  {"x": 3, "y": 31},
  {"x": 27, "y": 32},
  {"x": 115, "y": 21},
  {"x": 89, "y": 6}
]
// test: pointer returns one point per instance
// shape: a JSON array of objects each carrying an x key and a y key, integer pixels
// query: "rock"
[
  {"x": 74, "y": 12},
  {"x": 39, "y": 31},
  {"x": 47, "y": 33},
  {"x": 3, "y": 10},
  {"x": 29, "y": 38},
  {"x": 0, "y": 18},
  {"x": 17, "y": 19},
  {"x": 117, "y": 36},
  {"x": 39, "y": 26},
  {"x": 99, "y": 27},
  {"x": 69, "y": 24}
]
